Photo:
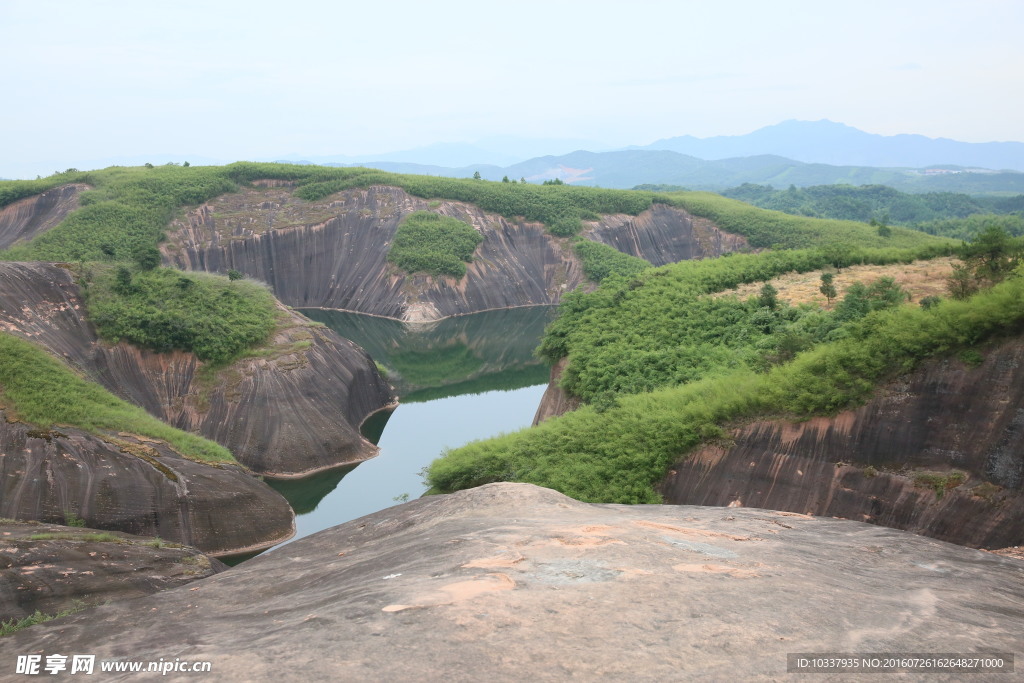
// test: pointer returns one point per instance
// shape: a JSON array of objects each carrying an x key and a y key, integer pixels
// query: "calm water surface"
[{"x": 458, "y": 380}]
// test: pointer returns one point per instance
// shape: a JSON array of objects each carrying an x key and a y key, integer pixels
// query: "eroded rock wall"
[
  {"x": 143, "y": 487},
  {"x": 888, "y": 462},
  {"x": 293, "y": 410},
  {"x": 555, "y": 401},
  {"x": 332, "y": 254},
  {"x": 514, "y": 582},
  {"x": 26, "y": 218}
]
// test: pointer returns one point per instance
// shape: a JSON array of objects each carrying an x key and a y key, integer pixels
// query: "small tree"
[
  {"x": 828, "y": 288},
  {"x": 123, "y": 282},
  {"x": 768, "y": 297},
  {"x": 235, "y": 275},
  {"x": 505, "y": 179},
  {"x": 147, "y": 258},
  {"x": 476, "y": 175}
]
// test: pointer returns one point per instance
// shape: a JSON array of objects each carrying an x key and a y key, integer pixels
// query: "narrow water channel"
[{"x": 458, "y": 380}]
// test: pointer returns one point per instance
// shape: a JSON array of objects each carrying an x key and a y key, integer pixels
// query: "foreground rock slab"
[
  {"x": 515, "y": 582},
  {"x": 48, "y": 567}
]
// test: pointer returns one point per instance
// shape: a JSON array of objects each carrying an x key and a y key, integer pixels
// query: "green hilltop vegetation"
[
  {"x": 662, "y": 367},
  {"x": 39, "y": 389},
  {"x": 212, "y": 316},
  {"x": 947, "y": 214}
]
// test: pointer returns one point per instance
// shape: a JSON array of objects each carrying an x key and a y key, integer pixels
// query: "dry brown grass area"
[{"x": 920, "y": 278}]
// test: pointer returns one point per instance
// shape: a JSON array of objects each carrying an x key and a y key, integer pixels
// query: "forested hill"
[{"x": 939, "y": 213}]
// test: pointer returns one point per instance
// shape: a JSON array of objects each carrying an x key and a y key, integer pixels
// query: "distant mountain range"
[
  {"x": 800, "y": 153},
  {"x": 827, "y": 142},
  {"x": 627, "y": 169}
]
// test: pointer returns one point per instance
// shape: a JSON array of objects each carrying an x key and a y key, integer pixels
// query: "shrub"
[{"x": 429, "y": 243}]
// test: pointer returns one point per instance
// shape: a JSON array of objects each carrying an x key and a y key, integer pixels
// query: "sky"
[{"x": 113, "y": 81}]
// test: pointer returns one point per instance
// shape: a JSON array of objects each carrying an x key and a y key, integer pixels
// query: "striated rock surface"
[
  {"x": 49, "y": 568},
  {"x": 939, "y": 452},
  {"x": 293, "y": 410},
  {"x": 513, "y": 582},
  {"x": 26, "y": 218},
  {"x": 555, "y": 401},
  {"x": 664, "y": 234},
  {"x": 332, "y": 254},
  {"x": 138, "y": 486}
]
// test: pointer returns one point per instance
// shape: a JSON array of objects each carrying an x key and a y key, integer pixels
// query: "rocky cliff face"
[
  {"x": 26, "y": 218},
  {"x": 333, "y": 253},
  {"x": 47, "y": 567},
  {"x": 293, "y": 410},
  {"x": 939, "y": 452},
  {"x": 514, "y": 582},
  {"x": 123, "y": 483},
  {"x": 555, "y": 401}
]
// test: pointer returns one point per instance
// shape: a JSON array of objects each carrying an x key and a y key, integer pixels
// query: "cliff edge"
[{"x": 938, "y": 452}]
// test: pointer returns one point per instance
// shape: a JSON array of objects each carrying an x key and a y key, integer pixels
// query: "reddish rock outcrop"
[
  {"x": 48, "y": 568},
  {"x": 332, "y": 254},
  {"x": 939, "y": 452},
  {"x": 511, "y": 582},
  {"x": 138, "y": 486},
  {"x": 294, "y": 410},
  {"x": 555, "y": 401},
  {"x": 26, "y": 218}
]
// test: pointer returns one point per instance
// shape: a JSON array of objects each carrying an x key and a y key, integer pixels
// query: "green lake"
[{"x": 458, "y": 380}]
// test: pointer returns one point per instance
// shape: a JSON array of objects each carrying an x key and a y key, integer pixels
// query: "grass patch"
[
  {"x": 39, "y": 389},
  {"x": 15, "y": 625},
  {"x": 940, "y": 482},
  {"x": 429, "y": 243}
]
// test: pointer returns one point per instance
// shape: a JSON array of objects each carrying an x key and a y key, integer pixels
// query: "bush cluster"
[
  {"x": 165, "y": 309},
  {"x": 429, "y": 243}
]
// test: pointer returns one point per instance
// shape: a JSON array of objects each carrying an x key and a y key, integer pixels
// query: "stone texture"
[
  {"x": 332, "y": 254},
  {"x": 555, "y": 401},
  {"x": 870, "y": 464},
  {"x": 128, "y": 484},
  {"x": 26, "y": 218},
  {"x": 290, "y": 412},
  {"x": 50, "y": 575},
  {"x": 511, "y": 582}
]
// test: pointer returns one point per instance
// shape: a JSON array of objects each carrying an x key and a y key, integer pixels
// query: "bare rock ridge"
[
  {"x": 47, "y": 567},
  {"x": 122, "y": 483},
  {"x": 292, "y": 411},
  {"x": 514, "y": 582},
  {"x": 332, "y": 254},
  {"x": 939, "y": 452},
  {"x": 26, "y": 218}
]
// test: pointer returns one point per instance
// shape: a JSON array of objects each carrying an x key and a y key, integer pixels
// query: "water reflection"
[
  {"x": 462, "y": 355},
  {"x": 459, "y": 380}
]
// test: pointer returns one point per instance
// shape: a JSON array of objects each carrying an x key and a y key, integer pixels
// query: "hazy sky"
[{"x": 228, "y": 80}]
